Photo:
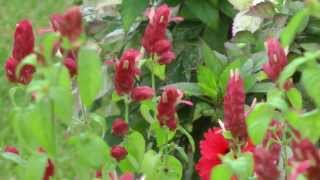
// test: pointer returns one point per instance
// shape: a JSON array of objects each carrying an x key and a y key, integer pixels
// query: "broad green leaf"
[
  {"x": 221, "y": 172},
  {"x": 34, "y": 167},
  {"x": 205, "y": 11},
  {"x": 162, "y": 134},
  {"x": 211, "y": 60},
  {"x": 13, "y": 157},
  {"x": 48, "y": 42},
  {"x": 262, "y": 87},
  {"x": 170, "y": 168},
  {"x": 202, "y": 109},
  {"x": 258, "y": 122},
  {"x": 90, "y": 150},
  {"x": 311, "y": 82},
  {"x": 189, "y": 88},
  {"x": 295, "y": 98},
  {"x": 307, "y": 124},
  {"x": 291, "y": 68},
  {"x": 61, "y": 93},
  {"x": 146, "y": 107},
  {"x": 150, "y": 164},
  {"x": 289, "y": 32},
  {"x": 130, "y": 10},
  {"x": 135, "y": 145},
  {"x": 157, "y": 69},
  {"x": 207, "y": 82},
  {"x": 276, "y": 98},
  {"x": 89, "y": 75},
  {"x": 242, "y": 166}
]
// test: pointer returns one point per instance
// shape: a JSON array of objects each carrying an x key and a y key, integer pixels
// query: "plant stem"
[
  {"x": 126, "y": 103},
  {"x": 285, "y": 158}
]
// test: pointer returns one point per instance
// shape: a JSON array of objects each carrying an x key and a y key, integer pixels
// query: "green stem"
[
  {"x": 285, "y": 158},
  {"x": 126, "y": 102}
]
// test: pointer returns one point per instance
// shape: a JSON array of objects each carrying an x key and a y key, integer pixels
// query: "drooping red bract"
[
  {"x": 68, "y": 24},
  {"x": 307, "y": 159},
  {"x": 71, "y": 64},
  {"x": 49, "y": 171},
  {"x": 171, "y": 96},
  {"x": 23, "y": 45},
  {"x": 234, "y": 101},
  {"x": 142, "y": 93},
  {"x": 277, "y": 59},
  {"x": 154, "y": 39},
  {"x": 211, "y": 147},
  {"x": 120, "y": 127},
  {"x": 118, "y": 152},
  {"x": 11, "y": 149},
  {"x": 264, "y": 165},
  {"x": 126, "y": 71},
  {"x": 274, "y": 132}
]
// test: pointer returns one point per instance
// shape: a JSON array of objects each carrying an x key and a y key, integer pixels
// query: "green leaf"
[
  {"x": 205, "y": 11},
  {"x": 162, "y": 134},
  {"x": 289, "y": 32},
  {"x": 135, "y": 145},
  {"x": 241, "y": 4},
  {"x": 171, "y": 168},
  {"x": 48, "y": 42},
  {"x": 310, "y": 80},
  {"x": 211, "y": 60},
  {"x": 61, "y": 93},
  {"x": 157, "y": 69},
  {"x": 307, "y": 124},
  {"x": 34, "y": 167},
  {"x": 150, "y": 164},
  {"x": 242, "y": 166},
  {"x": 258, "y": 122},
  {"x": 189, "y": 88},
  {"x": 226, "y": 73},
  {"x": 221, "y": 172},
  {"x": 244, "y": 22},
  {"x": 146, "y": 107},
  {"x": 130, "y": 10},
  {"x": 90, "y": 75},
  {"x": 276, "y": 98},
  {"x": 262, "y": 87},
  {"x": 207, "y": 82},
  {"x": 295, "y": 98},
  {"x": 190, "y": 139},
  {"x": 291, "y": 68},
  {"x": 90, "y": 150}
]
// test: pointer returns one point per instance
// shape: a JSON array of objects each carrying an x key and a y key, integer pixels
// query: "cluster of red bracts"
[
  {"x": 49, "y": 170},
  {"x": 23, "y": 45},
  {"x": 154, "y": 39},
  {"x": 69, "y": 25},
  {"x": 166, "y": 108},
  {"x": 234, "y": 101}
]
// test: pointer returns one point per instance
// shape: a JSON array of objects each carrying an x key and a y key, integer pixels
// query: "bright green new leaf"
[
  {"x": 146, "y": 107},
  {"x": 295, "y": 98},
  {"x": 276, "y": 98},
  {"x": 130, "y": 10},
  {"x": 150, "y": 164},
  {"x": 135, "y": 145},
  {"x": 207, "y": 82},
  {"x": 170, "y": 168},
  {"x": 34, "y": 167},
  {"x": 258, "y": 122},
  {"x": 311, "y": 82},
  {"x": 89, "y": 75},
  {"x": 48, "y": 42},
  {"x": 162, "y": 134},
  {"x": 221, "y": 172},
  {"x": 242, "y": 166}
]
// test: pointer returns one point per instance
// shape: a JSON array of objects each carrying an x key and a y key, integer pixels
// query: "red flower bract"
[
  {"x": 125, "y": 72},
  {"x": 23, "y": 43},
  {"x": 264, "y": 165},
  {"x": 234, "y": 101},
  {"x": 167, "y": 107},
  {"x": 120, "y": 127},
  {"x": 49, "y": 170},
  {"x": 11, "y": 149},
  {"x": 68, "y": 24},
  {"x": 118, "y": 152},
  {"x": 142, "y": 93},
  {"x": 306, "y": 154},
  {"x": 154, "y": 39},
  {"x": 213, "y": 145},
  {"x": 71, "y": 65},
  {"x": 277, "y": 59}
]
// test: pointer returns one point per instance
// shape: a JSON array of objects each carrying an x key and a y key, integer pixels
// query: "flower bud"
[
  {"x": 120, "y": 127},
  {"x": 23, "y": 40},
  {"x": 118, "y": 152},
  {"x": 71, "y": 65},
  {"x": 142, "y": 93}
]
